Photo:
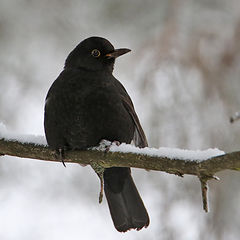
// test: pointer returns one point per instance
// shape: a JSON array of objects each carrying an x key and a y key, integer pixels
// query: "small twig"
[
  {"x": 235, "y": 117},
  {"x": 99, "y": 170},
  {"x": 204, "y": 188}
]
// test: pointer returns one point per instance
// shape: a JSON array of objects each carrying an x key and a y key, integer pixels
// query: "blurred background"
[{"x": 183, "y": 77}]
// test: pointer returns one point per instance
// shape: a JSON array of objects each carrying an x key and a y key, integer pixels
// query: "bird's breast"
[{"x": 87, "y": 110}]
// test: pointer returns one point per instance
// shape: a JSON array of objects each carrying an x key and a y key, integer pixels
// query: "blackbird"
[{"x": 87, "y": 104}]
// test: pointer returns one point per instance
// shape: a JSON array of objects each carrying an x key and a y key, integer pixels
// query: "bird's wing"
[{"x": 139, "y": 137}]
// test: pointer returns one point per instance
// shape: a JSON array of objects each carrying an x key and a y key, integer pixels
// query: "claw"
[
  {"x": 61, "y": 156},
  {"x": 117, "y": 143}
]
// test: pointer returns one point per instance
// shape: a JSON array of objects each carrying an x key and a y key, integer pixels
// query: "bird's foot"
[
  {"x": 60, "y": 155},
  {"x": 105, "y": 145},
  {"x": 99, "y": 170},
  {"x": 117, "y": 143}
]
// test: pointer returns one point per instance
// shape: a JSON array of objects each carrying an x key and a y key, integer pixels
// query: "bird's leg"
[
  {"x": 99, "y": 170},
  {"x": 60, "y": 154}
]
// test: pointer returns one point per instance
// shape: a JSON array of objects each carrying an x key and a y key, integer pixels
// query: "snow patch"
[
  {"x": 8, "y": 135},
  {"x": 172, "y": 153}
]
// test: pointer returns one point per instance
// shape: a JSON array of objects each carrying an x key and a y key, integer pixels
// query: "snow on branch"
[{"x": 203, "y": 164}]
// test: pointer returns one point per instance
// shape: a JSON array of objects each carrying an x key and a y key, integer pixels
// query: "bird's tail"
[{"x": 125, "y": 204}]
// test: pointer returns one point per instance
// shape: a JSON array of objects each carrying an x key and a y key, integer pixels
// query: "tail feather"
[{"x": 125, "y": 204}]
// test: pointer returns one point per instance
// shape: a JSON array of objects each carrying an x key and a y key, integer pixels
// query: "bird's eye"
[{"x": 95, "y": 53}]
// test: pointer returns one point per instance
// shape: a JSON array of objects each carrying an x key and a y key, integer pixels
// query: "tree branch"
[
  {"x": 204, "y": 170},
  {"x": 179, "y": 167}
]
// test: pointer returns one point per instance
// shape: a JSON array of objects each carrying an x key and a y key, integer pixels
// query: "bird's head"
[{"x": 94, "y": 54}]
